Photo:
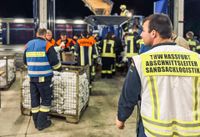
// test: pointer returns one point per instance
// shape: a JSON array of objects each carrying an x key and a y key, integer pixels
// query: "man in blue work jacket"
[
  {"x": 41, "y": 58},
  {"x": 167, "y": 81}
]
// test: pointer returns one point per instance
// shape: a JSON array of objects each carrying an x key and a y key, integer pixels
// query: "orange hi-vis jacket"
[{"x": 68, "y": 43}]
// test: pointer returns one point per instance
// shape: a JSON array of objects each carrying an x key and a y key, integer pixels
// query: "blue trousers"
[{"x": 41, "y": 91}]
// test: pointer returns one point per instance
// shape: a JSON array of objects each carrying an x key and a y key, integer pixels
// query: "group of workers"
[{"x": 161, "y": 80}]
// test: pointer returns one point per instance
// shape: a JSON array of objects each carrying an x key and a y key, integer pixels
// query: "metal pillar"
[
  {"x": 51, "y": 14},
  {"x": 44, "y": 14},
  {"x": 8, "y": 33},
  {"x": 179, "y": 16}
]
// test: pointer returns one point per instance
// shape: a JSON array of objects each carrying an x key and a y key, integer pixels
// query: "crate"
[
  {"x": 7, "y": 71},
  {"x": 19, "y": 60},
  {"x": 71, "y": 98},
  {"x": 68, "y": 57}
]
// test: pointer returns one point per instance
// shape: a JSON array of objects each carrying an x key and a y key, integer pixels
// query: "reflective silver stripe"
[
  {"x": 154, "y": 98},
  {"x": 37, "y": 63},
  {"x": 44, "y": 108},
  {"x": 35, "y": 109},
  {"x": 171, "y": 135},
  {"x": 57, "y": 66},
  {"x": 40, "y": 72},
  {"x": 171, "y": 123}
]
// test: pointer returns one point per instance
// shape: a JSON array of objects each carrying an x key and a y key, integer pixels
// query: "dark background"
[{"x": 76, "y": 9}]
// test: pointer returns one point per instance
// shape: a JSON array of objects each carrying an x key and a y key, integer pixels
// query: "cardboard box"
[{"x": 68, "y": 57}]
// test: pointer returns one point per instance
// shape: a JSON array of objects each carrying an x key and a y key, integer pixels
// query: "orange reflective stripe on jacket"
[
  {"x": 48, "y": 46},
  {"x": 86, "y": 42}
]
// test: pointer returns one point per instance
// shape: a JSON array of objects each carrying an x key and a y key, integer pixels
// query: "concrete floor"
[{"x": 97, "y": 121}]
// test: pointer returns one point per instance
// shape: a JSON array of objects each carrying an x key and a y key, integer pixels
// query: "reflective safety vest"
[
  {"x": 131, "y": 47},
  {"x": 124, "y": 13},
  {"x": 192, "y": 44},
  {"x": 85, "y": 52},
  {"x": 170, "y": 94},
  {"x": 37, "y": 61},
  {"x": 108, "y": 49}
]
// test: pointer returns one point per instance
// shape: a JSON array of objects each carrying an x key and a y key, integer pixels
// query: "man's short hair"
[
  {"x": 41, "y": 31},
  {"x": 160, "y": 23}
]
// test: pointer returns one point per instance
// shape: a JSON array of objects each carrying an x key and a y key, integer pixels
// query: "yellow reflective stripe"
[
  {"x": 104, "y": 53},
  {"x": 198, "y": 47},
  {"x": 172, "y": 134},
  {"x": 95, "y": 56},
  {"x": 131, "y": 54},
  {"x": 104, "y": 47},
  {"x": 44, "y": 108},
  {"x": 109, "y": 71},
  {"x": 192, "y": 43},
  {"x": 131, "y": 43},
  {"x": 151, "y": 95},
  {"x": 90, "y": 55},
  {"x": 153, "y": 88},
  {"x": 195, "y": 98},
  {"x": 82, "y": 57},
  {"x": 154, "y": 97},
  {"x": 57, "y": 66},
  {"x": 172, "y": 121},
  {"x": 106, "y": 71},
  {"x": 35, "y": 54},
  {"x": 171, "y": 126},
  {"x": 198, "y": 106},
  {"x": 35, "y": 109},
  {"x": 112, "y": 47},
  {"x": 111, "y": 55},
  {"x": 103, "y": 71}
]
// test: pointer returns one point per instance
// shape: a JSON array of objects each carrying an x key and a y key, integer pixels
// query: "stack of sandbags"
[
  {"x": 26, "y": 100},
  {"x": 66, "y": 96},
  {"x": 10, "y": 75}
]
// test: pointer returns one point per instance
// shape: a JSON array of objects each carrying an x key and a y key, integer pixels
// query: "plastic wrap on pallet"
[
  {"x": 65, "y": 95},
  {"x": 11, "y": 72}
]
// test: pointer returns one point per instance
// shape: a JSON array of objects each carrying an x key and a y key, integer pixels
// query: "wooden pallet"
[
  {"x": 25, "y": 111},
  {"x": 69, "y": 118}
]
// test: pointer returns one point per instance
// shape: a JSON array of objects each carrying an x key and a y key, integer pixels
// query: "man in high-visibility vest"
[
  {"x": 166, "y": 79},
  {"x": 124, "y": 11},
  {"x": 41, "y": 58},
  {"x": 191, "y": 41}
]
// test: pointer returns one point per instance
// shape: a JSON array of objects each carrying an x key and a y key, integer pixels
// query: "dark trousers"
[
  {"x": 107, "y": 67},
  {"x": 41, "y": 90}
]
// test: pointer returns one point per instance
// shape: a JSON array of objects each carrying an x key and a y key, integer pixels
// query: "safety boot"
[{"x": 43, "y": 121}]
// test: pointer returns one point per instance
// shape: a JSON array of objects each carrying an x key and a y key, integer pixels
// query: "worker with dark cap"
[
  {"x": 85, "y": 51},
  {"x": 108, "y": 54}
]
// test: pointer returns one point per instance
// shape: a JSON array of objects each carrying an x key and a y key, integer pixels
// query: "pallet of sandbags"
[
  {"x": 7, "y": 71},
  {"x": 70, "y": 93}
]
